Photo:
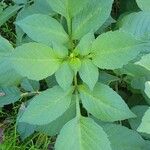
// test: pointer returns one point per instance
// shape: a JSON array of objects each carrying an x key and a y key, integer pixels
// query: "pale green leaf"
[
  {"x": 8, "y": 76},
  {"x": 144, "y": 5},
  {"x": 112, "y": 50},
  {"x": 104, "y": 103},
  {"x": 54, "y": 127},
  {"x": 64, "y": 75},
  {"x": 9, "y": 95},
  {"x": 5, "y": 47},
  {"x": 136, "y": 23},
  {"x": 139, "y": 110},
  {"x": 89, "y": 73},
  {"x": 35, "y": 61},
  {"x": 38, "y": 7},
  {"x": 85, "y": 44},
  {"x": 144, "y": 62},
  {"x": 30, "y": 85},
  {"x": 67, "y": 8},
  {"x": 122, "y": 138},
  {"x": 43, "y": 28},
  {"x": 82, "y": 134},
  {"x": 47, "y": 106},
  {"x": 87, "y": 21},
  {"x": 145, "y": 125},
  {"x": 60, "y": 50},
  {"x": 24, "y": 129},
  {"x": 147, "y": 88}
]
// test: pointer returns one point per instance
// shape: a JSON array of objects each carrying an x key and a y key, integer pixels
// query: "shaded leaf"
[
  {"x": 47, "y": 106},
  {"x": 104, "y": 103},
  {"x": 9, "y": 95}
]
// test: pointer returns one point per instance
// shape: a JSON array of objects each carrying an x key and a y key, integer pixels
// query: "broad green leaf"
[
  {"x": 122, "y": 138},
  {"x": 84, "y": 46},
  {"x": 82, "y": 134},
  {"x": 67, "y": 8},
  {"x": 30, "y": 85},
  {"x": 38, "y": 7},
  {"x": 144, "y": 5},
  {"x": 139, "y": 82},
  {"x": 112, "y": 50},
  {"x": 43, "y": 28},
  {"x": 139, "y": 111},
  {"x": 35, "y": 61},
  {"x": 147, "y": 88},
  {"x": 87, "y": 21},
  {"x": 145, "y": 125},
  {"x": 60, "y": 50},
  {"x": 144, "y": 62},
  {"x": 9, "y": 95},
  {"x": 8, "y": 76},
  {"x": 24, "y": 129},
  {"x": 104, "y": 103},
  {"x": 47, "y": 106},
  {"x": 54, "y": 127},
  {"x": 89, "y": 73},
  {"x": 136, "y": 23},
  {"x": 64, "y": 75},
  {"x": 9, "y": 12},
  {"x": 5, "y": 47}
]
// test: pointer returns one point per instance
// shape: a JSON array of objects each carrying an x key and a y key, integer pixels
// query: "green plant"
[{"x": 63, "y": 42}]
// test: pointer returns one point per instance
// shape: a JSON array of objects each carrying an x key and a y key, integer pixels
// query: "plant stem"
[
  {"x": 77, "y": 98},
  {"x": 69, "y": 24},
  {"x": 28, "y": 94},
  {"x": 77, "y": 105}
]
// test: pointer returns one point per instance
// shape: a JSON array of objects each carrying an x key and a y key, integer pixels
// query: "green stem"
[
  {"x": 69, "y": 24},
  {"x": 77, "y": 98},
  {"x": 28, "y": 94},
  {"x": 71, "y": 45},
  {"x": 77, "y": 105}
]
